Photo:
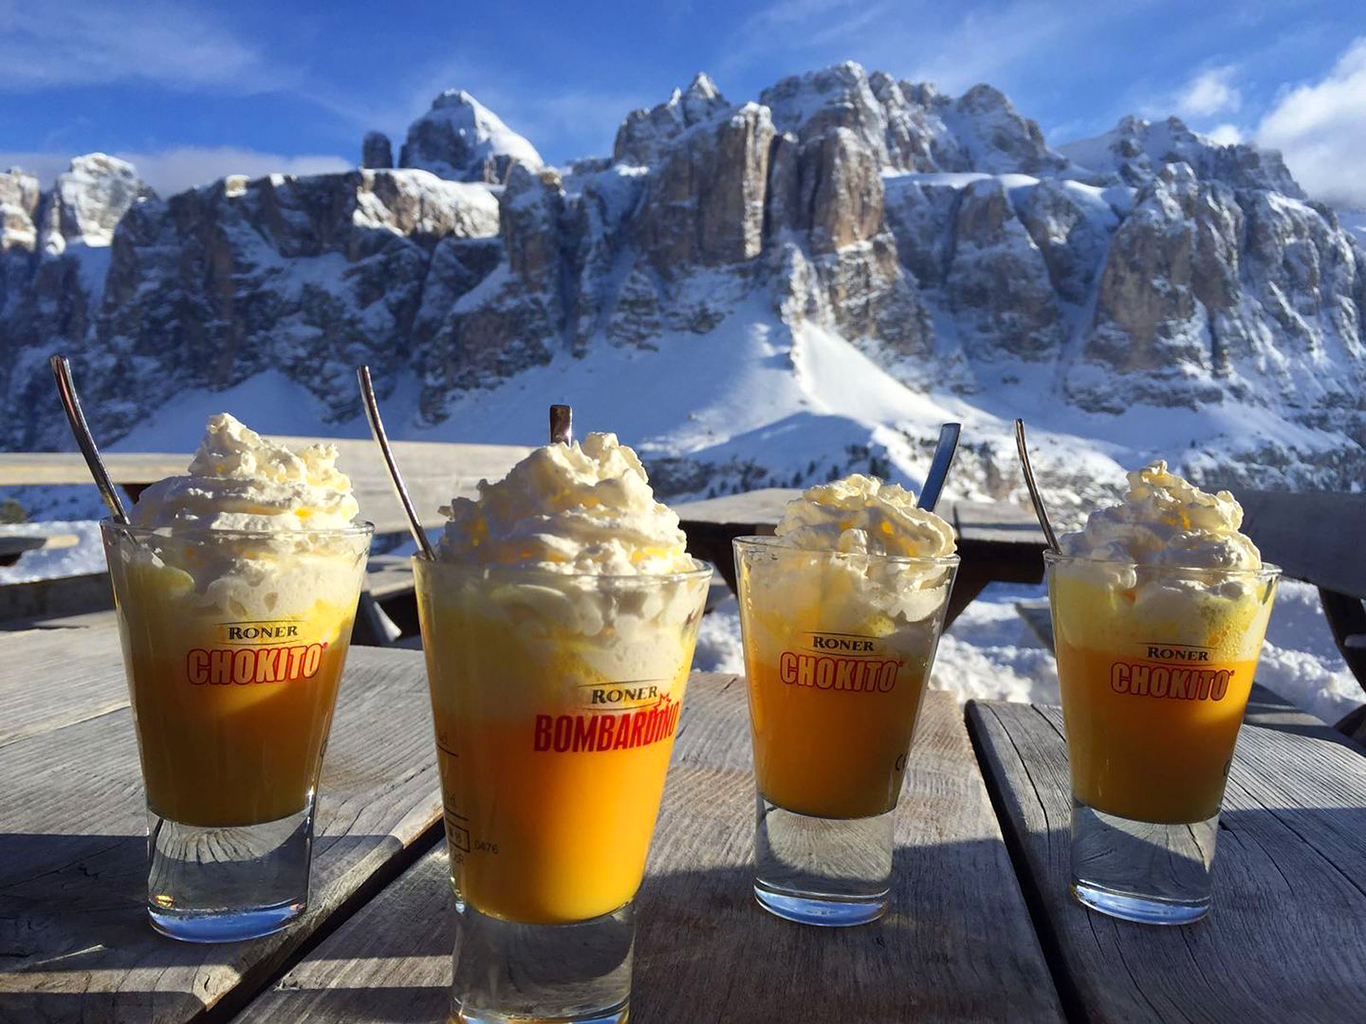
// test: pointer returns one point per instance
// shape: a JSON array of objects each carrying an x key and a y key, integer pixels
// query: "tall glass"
[
  {"x": 1155, "y": 664},
  {"x": 233, "y": 644},
  {"x": 838, "y": 651},
  {"x": 555, "y": 699}
]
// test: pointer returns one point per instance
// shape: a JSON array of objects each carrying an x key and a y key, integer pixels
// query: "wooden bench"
[
  {"x": 15, "y": 545},
  {"x": 434, "y": 472},
  {"x": 1320, "y": 537}
]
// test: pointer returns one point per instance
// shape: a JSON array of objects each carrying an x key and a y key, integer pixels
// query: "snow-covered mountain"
[{"x": 753, "y": 293}]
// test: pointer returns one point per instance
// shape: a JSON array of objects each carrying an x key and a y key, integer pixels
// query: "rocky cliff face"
[
  {"x": 460, "y": 138},
  {"x": 940, "y": 237}
]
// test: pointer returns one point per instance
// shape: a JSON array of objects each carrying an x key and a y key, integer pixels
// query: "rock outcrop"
[
  {"x": 376, "y": 151},
  {"x": 87, "y": 202},
  {"x": 1135, "y": 151},
  {"x": 644, "y": 134},
  {"x": 461, "y": 139}
]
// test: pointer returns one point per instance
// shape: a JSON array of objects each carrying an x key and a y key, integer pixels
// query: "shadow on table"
[
  {"x": 73, "y": 910},
  {"x": 956, "y": 944}
]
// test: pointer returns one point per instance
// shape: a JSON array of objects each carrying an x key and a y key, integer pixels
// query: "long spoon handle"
[
  {"x": 80, "y": 429},
  {"x": 1034, "y": 494},
  {"x": 367, "y": 394},
  {"x": 939, "y": 466}
]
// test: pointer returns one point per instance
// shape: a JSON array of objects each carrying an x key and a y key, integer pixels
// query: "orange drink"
[
  {"x": 1160, "y": 606},
  {"x": 235, "y": 587},
  {"x": 1155, "y": 674},
  {"x": 553, "y": 741},
  {"x": 559, "y": 615},
  {"x": 838, "y": 650},
  {"x": 1116, "y": 704},
  {"x": 232, "y": 693}
]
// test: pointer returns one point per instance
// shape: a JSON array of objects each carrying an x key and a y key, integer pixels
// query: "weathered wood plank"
[
  {"x": 1283, "y": 941},
  {"x": 765, "y": 505},
  {"x": 52, "y": 679},
  {"x": 74, "y": 939},
  {"x": 61, "y": 595},
  {"x": 433, "y": 471},
  {"x": 957, "y": 945}
]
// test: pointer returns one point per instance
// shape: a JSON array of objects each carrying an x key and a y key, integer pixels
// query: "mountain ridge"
[{"x": 938, "y": 239}]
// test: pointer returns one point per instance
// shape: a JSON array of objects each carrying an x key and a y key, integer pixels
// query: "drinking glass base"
[
  {"x": 227, "y": 926},
  {"x": 228, "y": 883},
  {"x": 615, "y": 1015},
  {"x": 833, "y": 872},
  {"x": 1139, "y": 909},
  {"x": 1147, "y": 872},
  {"x": 506, "y": 971},
  {"x": 822, "y": 911}
]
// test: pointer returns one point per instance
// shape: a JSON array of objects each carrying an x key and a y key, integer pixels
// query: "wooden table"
[
  {"x": 75, "y": 945},
  {"x": 981, "y": 927},
  {"x": 1284, "y": 941},
  {"x": 997, "y": 542},
  {"x": 74, "y": 940}
]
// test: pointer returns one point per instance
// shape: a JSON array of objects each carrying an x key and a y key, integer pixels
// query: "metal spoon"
[
  {"x": 71, "y": 402},
  {"x": 939, "y": 465},
  {"x": 1034, "y": 495},
  {"x": 367, "y": 394},
  {"x": 561, "y": 424}
]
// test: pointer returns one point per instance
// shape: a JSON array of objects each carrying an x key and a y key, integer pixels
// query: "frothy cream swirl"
[
  {"x": 577, "y": 508},
  {"x": 863, "y": 515},
  {"x": 238, "y": 480},
  {"x": 1165, "y": 520}
]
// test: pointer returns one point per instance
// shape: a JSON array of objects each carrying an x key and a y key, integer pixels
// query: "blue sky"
[{"x": 191, "y": 90}]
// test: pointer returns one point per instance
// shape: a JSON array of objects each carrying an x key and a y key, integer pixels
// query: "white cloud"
[
  {"x": 1210, "y": 92},
  {"x": 1225, "y": 134},
  {"x": 181, "y": 167},
  {"x": 1319, "y": 129},
  {"x": 74, "y": 42}
]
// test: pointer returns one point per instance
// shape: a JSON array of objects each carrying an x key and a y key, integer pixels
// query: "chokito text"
[
  {"x": 253, "y": 664},
  {"x": 1172, "y": 682},
  {"x": 858, "y": 675}
]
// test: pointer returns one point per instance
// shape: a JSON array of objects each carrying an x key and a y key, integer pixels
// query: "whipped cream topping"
[
  {"x": 841, "y": 554},
  {"x": 863, "y": 515},
  {"x": 238, "y": 480},
  {"x": 578, "y": 508},
  {"x": 1165, "y": 520}
]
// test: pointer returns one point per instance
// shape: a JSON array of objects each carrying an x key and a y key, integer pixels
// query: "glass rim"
[
  {"x": 1054, "y": 558},
  {"x": 768, "y": 542},
  {"x": 515, "y": 572},
  {"x": 108, "y": 525}
]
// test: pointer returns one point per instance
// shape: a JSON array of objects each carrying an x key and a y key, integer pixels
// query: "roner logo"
[
  {"x": 261, "y": 632},
  {"x": 1177, "y": 652},
  {"x": 624, "y": 694},
  {"x": 841, "y": 643}
]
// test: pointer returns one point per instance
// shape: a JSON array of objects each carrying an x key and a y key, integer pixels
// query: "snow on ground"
[
  {"x": 84, "y": 557},
  {"x": 718, "y": 640}
]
